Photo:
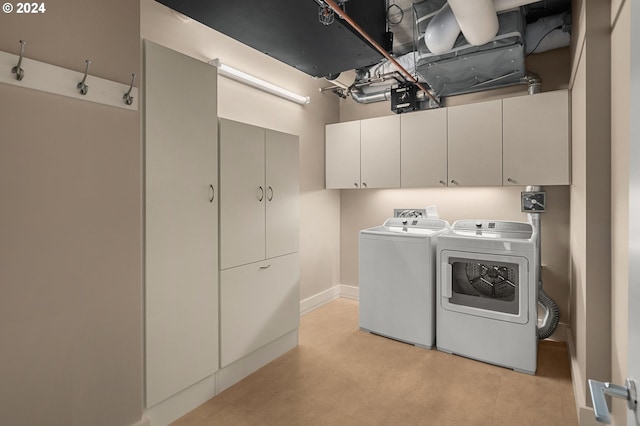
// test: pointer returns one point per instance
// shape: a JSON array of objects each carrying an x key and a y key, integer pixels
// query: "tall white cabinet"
[
  {"x": 181, "y": 222},
  {"x": 259, "y": 238}
]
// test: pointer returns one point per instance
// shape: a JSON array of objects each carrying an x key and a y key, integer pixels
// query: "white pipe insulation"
[
  {"x": 442, "y": 31},
  {"x": 478, "y": 21}
]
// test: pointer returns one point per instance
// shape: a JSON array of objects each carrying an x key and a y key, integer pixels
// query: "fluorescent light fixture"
[{"x": 258, "y": 83}]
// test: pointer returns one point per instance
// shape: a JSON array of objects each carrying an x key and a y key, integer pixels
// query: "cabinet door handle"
[
  {"x": 355, "y": 184},
  {"x": 453, "y": 181},
  {"x": 269, "y": 193},
  {"x": 261, "y": 196},
  {"x": 443, "y": 183},
  {"x": 213, "y": 193},
  {"x": 265, "y": 267},
  {"x": 511, "y": 180},
  {"x": 364, "y": 184}
]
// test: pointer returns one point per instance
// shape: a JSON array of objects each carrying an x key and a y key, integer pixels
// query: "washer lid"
[{"x": 498, "y": 229}]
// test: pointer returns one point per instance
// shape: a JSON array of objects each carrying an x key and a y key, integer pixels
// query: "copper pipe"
[{"x": 342, "y": 14}]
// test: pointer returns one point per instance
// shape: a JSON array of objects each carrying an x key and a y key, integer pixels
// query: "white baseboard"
[
  {"x": 314, "y": 302},
  {"x": 181, "y": 403},
  {"x": 144, "y": 421},
  {"x": 586, "y": 416},
  {"x": 350, "y": 292},
  {"x": 233, "y": 373}
]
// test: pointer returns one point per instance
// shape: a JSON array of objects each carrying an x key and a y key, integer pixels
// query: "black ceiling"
[{"x": 289, "y": 30}]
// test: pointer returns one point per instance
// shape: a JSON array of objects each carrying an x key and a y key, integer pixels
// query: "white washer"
[
  {"x": 397, "y": 279},
  {"x": 486, "y": 293}
]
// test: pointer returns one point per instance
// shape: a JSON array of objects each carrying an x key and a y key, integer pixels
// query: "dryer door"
[{"x": 484, "y": 285}]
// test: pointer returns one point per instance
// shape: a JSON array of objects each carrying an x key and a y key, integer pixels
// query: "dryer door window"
[{"x": 485, "y": 285}]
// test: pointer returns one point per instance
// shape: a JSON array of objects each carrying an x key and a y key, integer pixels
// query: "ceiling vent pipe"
[
  {"x": 534, "y": 83},
  {"x": 478, "y": 21}
]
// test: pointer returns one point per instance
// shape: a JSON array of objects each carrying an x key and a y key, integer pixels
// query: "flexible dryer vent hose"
[
  {"x": 551, "y": 316},
  {"x": 551, "y": 311}
]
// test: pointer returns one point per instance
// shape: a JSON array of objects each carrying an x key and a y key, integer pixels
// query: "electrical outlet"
[{"x": 409, "y": 213}]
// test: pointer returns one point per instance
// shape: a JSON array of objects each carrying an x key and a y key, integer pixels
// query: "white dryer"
[
  {"x": 486, "y": 293},
  {"x": 397, "y": 279}
]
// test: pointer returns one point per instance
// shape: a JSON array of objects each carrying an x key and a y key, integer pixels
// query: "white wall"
[
  {"x": 319, "y": 208},
  {"x": 591, "y": 199},
  {"x": 71, "y": 226}
]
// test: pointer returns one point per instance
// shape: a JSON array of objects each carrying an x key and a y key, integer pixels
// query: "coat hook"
[
  {"x": 83, "y": 88},
  {"x": 127, "y": 98},
  {"x": 17, "y": 72}
]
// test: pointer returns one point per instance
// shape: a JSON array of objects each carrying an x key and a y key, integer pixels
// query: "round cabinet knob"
[
  {"x": 364, "y": 184},
  {"x": 511, "y": 180},
  {"x": 454, "y": 182},
  {"x": 443, "y": 183},
  {"x": 355, "y": 184}
]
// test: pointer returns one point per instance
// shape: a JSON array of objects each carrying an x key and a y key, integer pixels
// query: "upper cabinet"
[
  {"x": 522, "y": 140},
  {"x": 342, "y": 146},
  {"x": 259, "y": 215},
  {"x": 423, "y": 149},
  {"x": 363, "y": 154},
  {"x": 536, "y": 145},
  {"x": 380, "y": 152},
  {"x": 475, "y": 144}
]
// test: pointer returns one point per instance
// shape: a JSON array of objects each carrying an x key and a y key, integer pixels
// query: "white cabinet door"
[
  {"x": 536, "y": 139},
  {"x": 243, "y": 193},
  {"x": 282, "y": 194},
  {"x": 342, "y": 152},
  {"x": 259, "y": 302},
  {"x": 181, "y": 224},
  {"x": 475, "y": 144},
  {"x": 380, "y": 152},
  {"x": 423, "y": 148}
]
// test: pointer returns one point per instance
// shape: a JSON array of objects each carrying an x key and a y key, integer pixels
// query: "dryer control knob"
[{"x": 478, "y": 224}]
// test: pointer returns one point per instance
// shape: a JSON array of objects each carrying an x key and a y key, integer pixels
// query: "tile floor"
[{"x": 339, "y": 375}]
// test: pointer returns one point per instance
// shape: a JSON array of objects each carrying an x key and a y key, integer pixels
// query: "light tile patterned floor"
[{"x": 339, "y": 375}]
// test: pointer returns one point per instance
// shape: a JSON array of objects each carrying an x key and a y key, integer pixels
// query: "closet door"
[
  {"x": 181, "y": 224},
  {"x": 243, "y": 193},
  {"x": 282, "y": 194}
]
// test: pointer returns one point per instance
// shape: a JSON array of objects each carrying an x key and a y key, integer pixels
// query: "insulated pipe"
[
  {"x": 477, "y": 19},
  {"x": 442, "y": 31},
  {"x": 444, "y": 27},
  {"x": 363, "y": 98},
  {"x": 342, "y": 14}
]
